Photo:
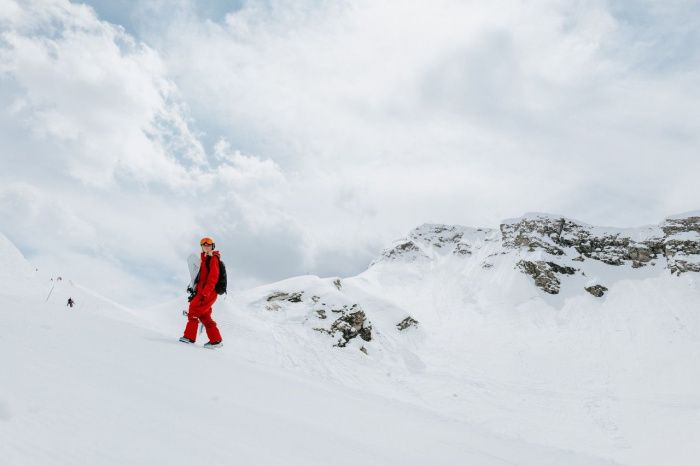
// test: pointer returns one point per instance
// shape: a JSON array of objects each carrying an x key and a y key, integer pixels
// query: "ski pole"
[{"x": 50, "y": 291}]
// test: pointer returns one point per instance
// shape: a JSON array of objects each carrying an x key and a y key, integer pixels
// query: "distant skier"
[
  {"x": 204, "y": 297},
  {"x": 70, "y": 302}
]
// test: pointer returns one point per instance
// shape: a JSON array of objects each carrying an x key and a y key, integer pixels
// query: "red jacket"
[{"x": 208, "y": 274}]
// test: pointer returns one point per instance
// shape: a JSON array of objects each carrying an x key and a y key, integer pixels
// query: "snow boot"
[
  {"x": 186, "y": 340},
  {"x": 213, "y": 344}
]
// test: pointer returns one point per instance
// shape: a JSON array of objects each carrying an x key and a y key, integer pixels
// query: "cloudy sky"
[{"x": 305, "y": 136}]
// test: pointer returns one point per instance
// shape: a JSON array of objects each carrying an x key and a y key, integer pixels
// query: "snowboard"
[{"x": 193, "y": 264}]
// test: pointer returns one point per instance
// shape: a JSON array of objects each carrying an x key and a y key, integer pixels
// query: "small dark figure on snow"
[
  {"x": 70, "y": 302},
  {"x": 203, "y": 297}
]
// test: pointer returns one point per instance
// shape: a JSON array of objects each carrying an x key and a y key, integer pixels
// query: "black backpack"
[{"x": 220, "y": 286}]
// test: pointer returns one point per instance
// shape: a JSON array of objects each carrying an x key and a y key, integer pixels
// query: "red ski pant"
[{"x": 200, "y": 311}]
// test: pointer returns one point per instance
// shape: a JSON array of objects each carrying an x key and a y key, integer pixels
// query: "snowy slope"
[
  {"x": 490, "y": 367},
  {"x": 101, "y": 386},
  {"x": 14, "y": 266},
  {"x": 93, "y": 391}
]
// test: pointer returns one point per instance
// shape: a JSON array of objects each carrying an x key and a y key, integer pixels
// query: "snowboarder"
[
  {"x": 70, "y": 302},
  {"x": 204, "y": 297}
]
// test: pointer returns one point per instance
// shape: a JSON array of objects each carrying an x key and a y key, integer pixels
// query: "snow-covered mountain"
[
  {"x": 549, "y": 259},
  {"x": 545, "y": 341}
]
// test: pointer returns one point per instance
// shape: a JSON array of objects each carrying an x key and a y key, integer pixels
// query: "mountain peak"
[{"x": 549, "y": 247}]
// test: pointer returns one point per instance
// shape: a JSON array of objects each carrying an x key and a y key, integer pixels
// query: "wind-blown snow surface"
[{"x": 496, "y": 371}]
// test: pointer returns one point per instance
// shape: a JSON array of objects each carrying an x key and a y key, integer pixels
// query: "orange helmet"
[{"x": 206, "y": 240}]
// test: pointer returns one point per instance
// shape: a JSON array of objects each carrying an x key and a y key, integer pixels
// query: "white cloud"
[
  {"x": 306, "y": 135},
  {"x": 545, "y": 95},
  {"x": 97, "y": 93}
]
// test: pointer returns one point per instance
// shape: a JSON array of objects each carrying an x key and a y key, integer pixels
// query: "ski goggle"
[{"x": 206, "y": 241}]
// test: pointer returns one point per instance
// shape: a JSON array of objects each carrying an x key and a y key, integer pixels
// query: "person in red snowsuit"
[{"x": 200, "y": 307}]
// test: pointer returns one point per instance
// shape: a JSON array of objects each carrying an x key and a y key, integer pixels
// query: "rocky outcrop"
[
  {"x": 545, "y": 274},
  {"x": 678, "y": 266},
  {"x": 462, "y": 249},
  {"x": 564, "y": 237},
  {"x": 406, "y": 323},
  {"x": 550, "y": 247},
  {"x": 534, "y": 234},
  {"x": 405, "y": 250},
  {"x": 676, "y": 242},
  {"x": 294, "y": 297},
  {"x": 682, "y": 244},
  {"x": 273, "y": 300},
  {"x": 351, "y": 323},
  {"x": 443, "y": 236},
  {"x": 679, "y": 225},
  {"x": 438, "y": 239},
  {"x": 596, "y": 290}
]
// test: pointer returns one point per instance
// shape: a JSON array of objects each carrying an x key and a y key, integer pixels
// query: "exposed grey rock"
[
  {"x": 284, "y": 296},
  {"x": 321, "y": 314},
  {"x": 440, "y": 235},
  {"x": 406, "y": 249},
  {"x": 447, "y": 239},
  {"x": 672, "y": 226},
  {"x": 597, "y": 290},
  {"x": 352, "y": 326},
  {"x": 407, "y": 322},
  {"x": 682, "y": 244},
  {"x": 610, "y": 249},
  {"x": 534, "y": 234},
  {"x": 545, "y": 274},
  {"x": 678, "y": 266},
  {"x": 351, "y": 323},
  {"x": 557, "y": 235},
  {"x": 561, "y": 268},
  {"x": 337, "y": 283},
  {"x": 277, "y": 295},
  {"x": 462, "y": 249},
  {"x": 274, "y": 299},
  {"x": 563, "y": 242}
]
